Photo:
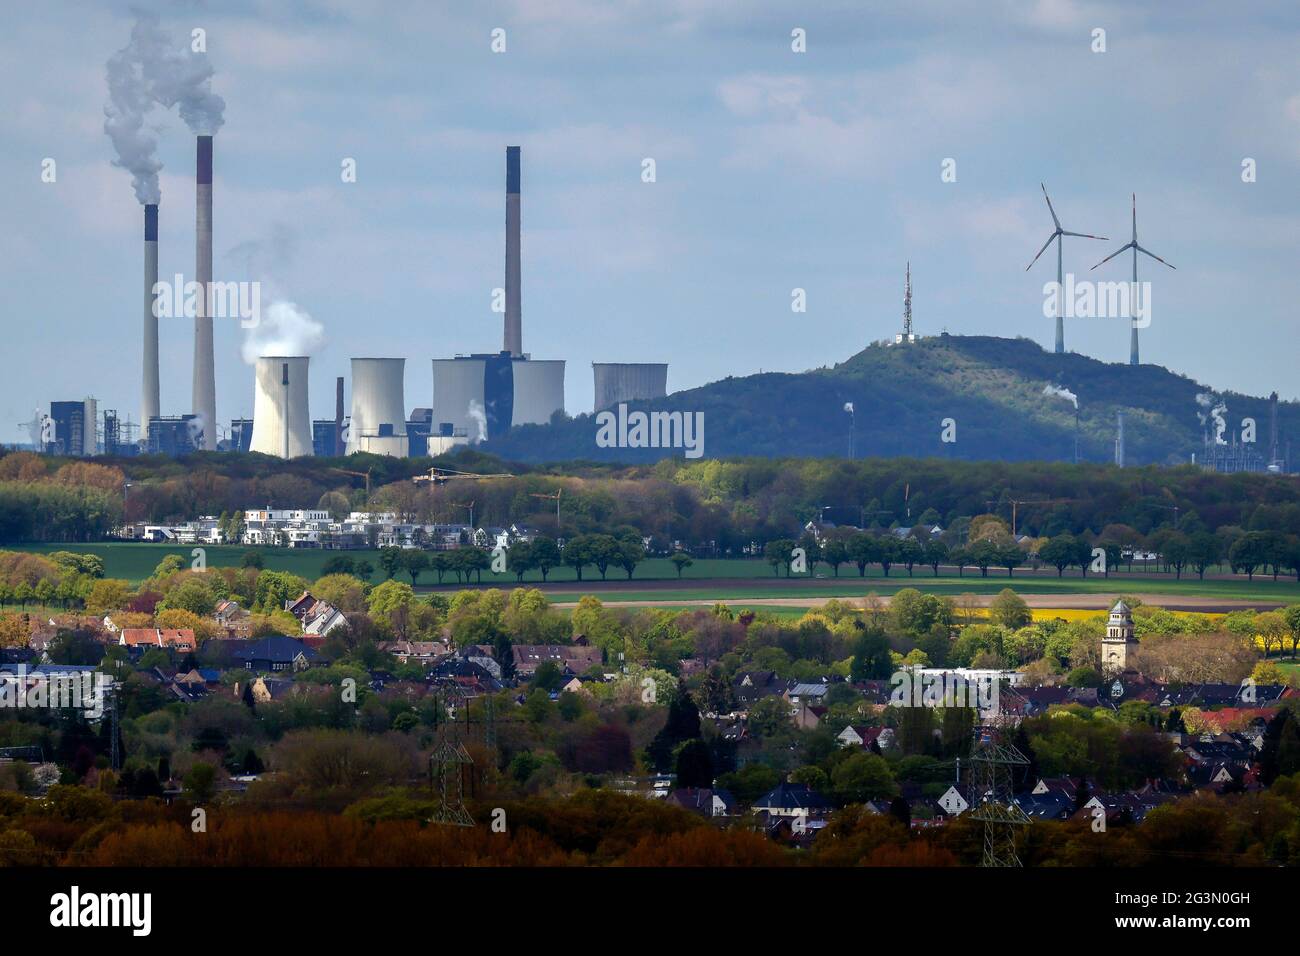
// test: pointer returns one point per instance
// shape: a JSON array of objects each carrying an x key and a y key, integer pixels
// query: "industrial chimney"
[
  {"x": 149, "y": 399},
  {"x": 338, "y": 416},
  {"x": 514, "y": 337},
  {"x": 205, "y": 387},
  {"x": 1119, "y": 439},
  {"x": 281, "y": 420},
  {"x": 378, "y": 407}
]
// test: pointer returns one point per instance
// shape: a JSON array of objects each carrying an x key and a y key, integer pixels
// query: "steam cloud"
[
  {"x": 129, "y": 101},
  {"x": 284, "y": 329},
  {"x": 1213, "y": 409},
  {"x": 1064, "y": 393},
  {"x": 184, "y": 79},
  {"x": 479, "y": 417},
  {"x": 150, "y": 71}
]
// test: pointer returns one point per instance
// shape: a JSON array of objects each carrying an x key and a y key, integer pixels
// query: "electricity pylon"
[{"x": 991, "y": 795}]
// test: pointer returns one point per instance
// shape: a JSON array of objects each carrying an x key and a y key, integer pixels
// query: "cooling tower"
[
  {"x": 628, "y": 382},
  {"x": 281, "y": 421},
  {"x": 458, "y": 397},
  {"x": 514, "y": 332},
  {"x": 205, "y": 387},
  {"x": 149, "y": 397},
  {"x": 378, "y": 409},
  {"x": 538, "y": 390}
]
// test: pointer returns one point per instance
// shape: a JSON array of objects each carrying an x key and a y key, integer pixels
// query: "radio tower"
[{"x": 907, "y": 304}]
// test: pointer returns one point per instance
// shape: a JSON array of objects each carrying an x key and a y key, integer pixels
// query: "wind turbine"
[
  {"x": 1133, "y": 244},
  {"x": 1060, "y": 278}
]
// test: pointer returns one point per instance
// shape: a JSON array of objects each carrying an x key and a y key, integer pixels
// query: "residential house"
[
  {"x": 704, "y": 801},
  {"x": 177, "y": 639},
  {"x": 278, "y": 653}
]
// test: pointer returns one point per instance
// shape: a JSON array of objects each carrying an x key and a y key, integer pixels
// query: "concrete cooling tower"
[
  {"x": 281, "y": 420},
  {"x": 628, "y": 382},
  {"x": 378, "y": 409},
  {"x": 484, "y": 396}
]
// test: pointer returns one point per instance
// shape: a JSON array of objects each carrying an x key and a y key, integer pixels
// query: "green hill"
[{"x": 991, "y": 387}]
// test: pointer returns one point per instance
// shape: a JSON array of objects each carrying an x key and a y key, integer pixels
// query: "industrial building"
[
  {"x": 617, "y": 382},
  {"x": 484, "y": 395},
  {"x": 281, "y": 420},
  {"x": 241, "y": 434},
  {"x": 172, "y": 435},
  {"x": 74, "y": 431}
]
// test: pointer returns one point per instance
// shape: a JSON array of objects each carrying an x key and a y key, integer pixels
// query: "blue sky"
[{"x": 775, "y": 170}]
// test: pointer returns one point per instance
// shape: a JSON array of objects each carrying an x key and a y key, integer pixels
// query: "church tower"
[{"x": 1120, "y": 643}]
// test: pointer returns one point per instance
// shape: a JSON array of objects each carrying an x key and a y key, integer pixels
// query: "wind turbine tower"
[
  {"x": 1135, "y": 290},
  {"x": 1057, "y": 233}
]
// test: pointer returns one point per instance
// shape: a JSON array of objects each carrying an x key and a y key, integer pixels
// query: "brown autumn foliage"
[
  {"x": 88, "y": 474},
  {"x": 316, "y": 839},
  {"x": 705, "y": 846}
]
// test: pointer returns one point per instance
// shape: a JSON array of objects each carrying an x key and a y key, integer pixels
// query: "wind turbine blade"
[
  {"x": 1041, "y": 251},
  {"x": 1049, "y": 206},
  {"x": 1082, "y": 235},
  {"x": 1154, "y": 256},
  {"x": 1122, "y": 248}
]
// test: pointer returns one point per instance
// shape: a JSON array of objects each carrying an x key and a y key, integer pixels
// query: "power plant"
[
  {"x": 281, "y": 420},
  {"x": 617, "y": 382},
  {"x": 378, "y": 423}
]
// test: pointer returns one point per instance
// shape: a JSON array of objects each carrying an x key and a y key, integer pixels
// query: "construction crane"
[
  {"x": 357, "y": 474},
  {"x": 1016, "y": 502},
  {"x": 443, "y": 475},
  {"x": 556, "y": 497}
]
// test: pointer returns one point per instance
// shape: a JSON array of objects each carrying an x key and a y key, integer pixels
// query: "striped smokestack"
[
  {"x": 205, "y": 387},
  {"x": 514, "y": 337},
  {"x": 149, "y": 397}
]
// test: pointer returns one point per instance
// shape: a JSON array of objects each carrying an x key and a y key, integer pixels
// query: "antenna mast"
[{"x": 907, "y": 306}]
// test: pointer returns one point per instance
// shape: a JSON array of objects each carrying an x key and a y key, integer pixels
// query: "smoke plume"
[
  {"x": 1213, "y": 409},
  {"x": 183, "y": 78},
  {"x": 1064, "y": 393},
  {"x": 129, "y": 102},
  {"x": 479, "y": 417},
  {"x": 284, "y": 329}
]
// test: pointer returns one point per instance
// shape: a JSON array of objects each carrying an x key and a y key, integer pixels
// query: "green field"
[{"x": 714, "y": 579}]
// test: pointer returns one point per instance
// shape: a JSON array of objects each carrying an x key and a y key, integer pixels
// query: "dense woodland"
[{"x": 711, "y": 507}]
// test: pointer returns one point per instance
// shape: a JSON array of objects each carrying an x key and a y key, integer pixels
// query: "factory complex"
[{"x": 476, "y": 396}]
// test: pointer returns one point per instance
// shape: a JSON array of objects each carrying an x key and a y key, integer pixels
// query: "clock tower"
[{"x": 1120, "y": 643}]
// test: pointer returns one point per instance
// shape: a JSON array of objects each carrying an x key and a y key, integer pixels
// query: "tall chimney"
[
  {"x": 149, "y": 399},
  {"x": 514, "y": 337},
  {"x": 205, "y": 387},
  {"x": 1119, "y": 439},
  {"x": 338, "y": 415}
]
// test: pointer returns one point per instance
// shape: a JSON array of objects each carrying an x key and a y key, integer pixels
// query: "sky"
[{"x": 774, "y": 170}]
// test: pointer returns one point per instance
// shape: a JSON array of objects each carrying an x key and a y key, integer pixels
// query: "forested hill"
[{"x": 991, "y": 387}]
